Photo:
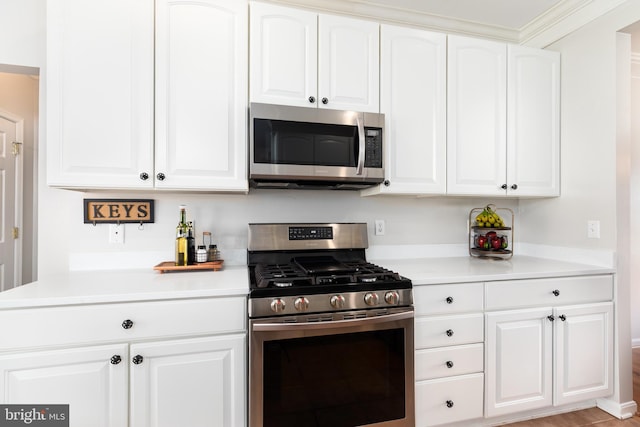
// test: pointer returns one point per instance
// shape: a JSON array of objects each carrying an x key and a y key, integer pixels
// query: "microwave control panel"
[{"x": 373, "y": 148}]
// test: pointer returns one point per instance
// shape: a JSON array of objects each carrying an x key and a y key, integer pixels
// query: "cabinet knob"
[
  {"x": 387, "y": 183},
  {"x": 562, "y": 317},
  {"x": 449, "y": 332},
  {"x": 312, "y": 99},
  {"x": 144, "y": 176},
  {"x": 325, "y": 101},
  {"x": 514, "y": 187},
  {"x": 127, "y": 324},
  {"x": 449, "y": 403},
  {"x": 504, "y": 186},
  {"x": 160, "y": 176},
  {"x": 115, "y": 359},
  {"x": 449, "y": 364},
  {"x": 556, "y": 292},
  {"x": 551, "y": 318},
  {"x": 137, "y": 359},
  {"x": 449, "y": 300}
]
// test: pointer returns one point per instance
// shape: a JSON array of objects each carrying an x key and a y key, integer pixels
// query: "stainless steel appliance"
[
  {"x": 330, "y": 335},
  {"x": 298, "y": 147}
]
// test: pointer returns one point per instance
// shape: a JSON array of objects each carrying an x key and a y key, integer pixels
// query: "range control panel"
[{"x": 311, "y": 233}]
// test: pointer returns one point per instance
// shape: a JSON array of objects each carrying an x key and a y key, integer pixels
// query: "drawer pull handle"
[
  {"x": 115, "y": 359},
  {"x": 551, "y": 318},
  {"x": 127, "y": 324},
  {"x": 562, "y": 317},
  {"x": 449, "y": 300},
  {"x": 556, "y": 292},
  {"x": 449, "y": 332},
  {"x": 449, "y": 403},
  {"x": 137, "y": 359},
  {"x": 449, "y": 364}
]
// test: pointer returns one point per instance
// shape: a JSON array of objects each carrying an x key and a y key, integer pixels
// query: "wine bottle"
[
  {"x": 182, "y": 230},
  {"x": 191, "y": 244}
]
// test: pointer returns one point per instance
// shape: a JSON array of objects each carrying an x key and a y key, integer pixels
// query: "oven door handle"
[
  {"x": 361, "y": 144},
  {"x": 263, "y": 327}
]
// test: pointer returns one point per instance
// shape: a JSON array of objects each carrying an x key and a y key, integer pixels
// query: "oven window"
[
  {"x": 297, "y": 143},
  {"x": 341, "y": 380}
]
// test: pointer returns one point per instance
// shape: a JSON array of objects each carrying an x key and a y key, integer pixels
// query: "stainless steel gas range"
[{"x": 331, "y": 335}]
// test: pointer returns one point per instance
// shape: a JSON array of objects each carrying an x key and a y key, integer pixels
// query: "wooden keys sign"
[{"x": 118, "y": 211}]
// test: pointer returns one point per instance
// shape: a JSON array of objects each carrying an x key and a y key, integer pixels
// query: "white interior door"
[{"x": 11, "y": 134}]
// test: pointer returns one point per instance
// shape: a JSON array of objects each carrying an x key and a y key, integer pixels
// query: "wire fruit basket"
[{"x": 491, "y": 232}]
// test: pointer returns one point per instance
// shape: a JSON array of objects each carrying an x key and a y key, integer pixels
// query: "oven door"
[{"x": 343, "y": 370}]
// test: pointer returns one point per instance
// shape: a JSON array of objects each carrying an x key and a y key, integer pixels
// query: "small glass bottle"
[
  {"x": 182, "y": 253},
  {"x": 213, "y": 254}
]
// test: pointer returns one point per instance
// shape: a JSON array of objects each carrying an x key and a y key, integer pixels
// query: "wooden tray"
[{"x": 170, "y": 266}]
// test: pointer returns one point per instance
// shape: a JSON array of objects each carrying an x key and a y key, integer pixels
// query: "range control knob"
[
  {"x": 392, "y": 298},
  {"x": 371, "y": 298},
  {"x": 277, "y": 305},
  {"x": 337, "y": 301},
  {"x": 301, "y": 304}
]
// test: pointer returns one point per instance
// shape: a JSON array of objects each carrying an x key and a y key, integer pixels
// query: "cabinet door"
[
  {"x": 283, "y": 55},
  {"x": 413, "y": 99},
  {"x": 348, "y": 64},
  {"x": 201, "y": 94},
  {"x": 192, "y": 382},
  {"x": 85, "y": 378},
  {"x": 518, "y": 361},
  {"x": 99, "y": 93},
  {"x": 583, "y": 352},
  {"x": 476, "y": 126},
  {"x": 533, "y": 122}
]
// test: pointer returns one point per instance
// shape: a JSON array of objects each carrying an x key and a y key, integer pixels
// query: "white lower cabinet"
[
  {"x": 193, "y": 382},
  {"x": 162, "y": 363},
  {"x": 543, "y": 356},
  {"x": 95, "y": 388},
  {"x": 449, "y": 353}
]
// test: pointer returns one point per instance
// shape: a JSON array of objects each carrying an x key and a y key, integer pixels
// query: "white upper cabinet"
[
  {"x": 201, "y": 93},
  {"x": 503, "y": 120},
  {"x": 283, "y": 51},
  {"x": 301, "y": 58},
  {"x": 413, "y": 66},
  {"x": 99, "y": 93},
  {"x": 533, "y": 122},
  {"x": 477, "y": 102}
]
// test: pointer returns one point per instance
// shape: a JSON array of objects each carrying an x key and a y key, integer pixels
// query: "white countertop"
[
  {"x": 429, "y": 271},
  {"x": 86, "y": 287},
  {"x": 90, "y": 287}
]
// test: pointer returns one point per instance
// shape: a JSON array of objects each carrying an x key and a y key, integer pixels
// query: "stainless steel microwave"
[{"x": 299, "y": 147}]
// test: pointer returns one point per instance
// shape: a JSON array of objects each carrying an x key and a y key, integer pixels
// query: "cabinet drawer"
[
  {"x": 449, "y": 361},
  {"x": 535, "y": 292},
  {"x": 449, "y": 400},
  {"x": 448, "y": 299},
  {"x": 53, "y": 326},
  {"x": 440, "y": 331}
]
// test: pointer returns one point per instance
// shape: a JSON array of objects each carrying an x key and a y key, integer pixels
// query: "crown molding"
[{"x": 562, "y": 19}]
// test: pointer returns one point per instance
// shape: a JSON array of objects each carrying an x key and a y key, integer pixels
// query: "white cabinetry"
[
  {"x": 161, "y": 363},
  {"x": 449, "y": 338},
  {"x": 556, "y": 352},
  {"x": 503, "y": 119},
  {"x": 201, "y": 94},
  {"x": 100, "y": 94},
  {"x": 413, "y": 66},
  {"x": 304, "y": 59}
]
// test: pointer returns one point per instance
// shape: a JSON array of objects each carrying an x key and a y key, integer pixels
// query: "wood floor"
[{"x": 592, "y": 417}]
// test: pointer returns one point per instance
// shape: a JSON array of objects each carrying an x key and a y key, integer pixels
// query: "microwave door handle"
[{"x": 361, "y": 145}]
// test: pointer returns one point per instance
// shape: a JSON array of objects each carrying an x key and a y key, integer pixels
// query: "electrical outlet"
[
  {"x": 379, "y": 227},
  {"x": 116, "y": 233},
  {"x": 593, "y": 229}
]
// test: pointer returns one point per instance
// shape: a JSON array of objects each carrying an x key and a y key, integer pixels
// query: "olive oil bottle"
[{"x": 182, "y": 231}]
